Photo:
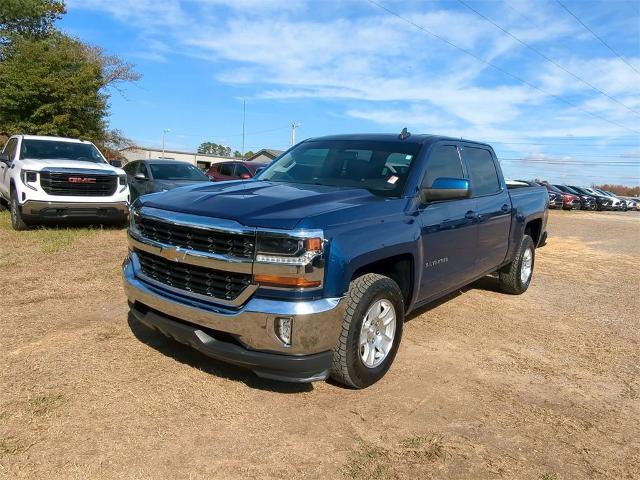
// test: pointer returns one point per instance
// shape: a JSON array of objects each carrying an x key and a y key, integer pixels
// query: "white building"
[{"x": 200, "y": 160}]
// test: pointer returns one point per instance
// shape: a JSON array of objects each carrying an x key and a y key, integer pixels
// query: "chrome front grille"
[
  {"x": 211, "y": 283},
  {"x": 228, "y": 244}
]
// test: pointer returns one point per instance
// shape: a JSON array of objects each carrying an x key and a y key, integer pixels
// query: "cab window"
[
  {"x": 482, "y": 171},
  {"x": 444, "y": 162}
]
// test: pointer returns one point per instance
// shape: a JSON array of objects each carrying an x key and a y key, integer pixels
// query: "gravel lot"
[{"x": 486, "y": 385}]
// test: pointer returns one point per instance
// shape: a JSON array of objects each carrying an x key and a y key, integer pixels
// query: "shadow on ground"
[
  {"x": 488, "y": 283},
  {"x": 193, "y": 358}
]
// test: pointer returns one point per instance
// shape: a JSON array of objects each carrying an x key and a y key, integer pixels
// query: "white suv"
[{"x": 53, "y": 178}]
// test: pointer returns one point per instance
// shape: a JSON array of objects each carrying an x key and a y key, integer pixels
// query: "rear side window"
[
  {"x": 227, "y": 169},
  {"x": 482, "y": 171},
  {"x": 443, "y": 162}
]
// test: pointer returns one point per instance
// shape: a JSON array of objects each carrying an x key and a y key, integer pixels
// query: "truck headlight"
[
  {"x": 122, "y": 179},
  {"x": 29, "y": 176},
  {"x": 288, "y": 250}
]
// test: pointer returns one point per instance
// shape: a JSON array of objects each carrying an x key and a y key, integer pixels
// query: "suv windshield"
[
  {"x": 380, "y": 167},
  {"x": 52, "y": 149},
  {"x": 177, "y": 171}
]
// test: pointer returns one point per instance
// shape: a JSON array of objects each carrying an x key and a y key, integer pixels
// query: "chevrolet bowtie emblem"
[{"x": 173, "y": 254}]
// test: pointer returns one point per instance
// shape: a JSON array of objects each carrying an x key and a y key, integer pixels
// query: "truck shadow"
[
  {"x": 488, "y": 283},
  {"x": 193, "y": 358}
]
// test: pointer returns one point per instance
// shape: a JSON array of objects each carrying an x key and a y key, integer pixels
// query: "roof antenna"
[{"x": 404, "y": 134}]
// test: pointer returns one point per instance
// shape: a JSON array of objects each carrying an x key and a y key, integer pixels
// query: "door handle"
[
  {"x": 471, "y": 215},
  {"x": 505, "y": 208}
]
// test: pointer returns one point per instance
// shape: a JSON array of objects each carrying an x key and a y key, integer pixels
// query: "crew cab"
[
  {"x": 45, "y": 179},
  {"x": 309, "y": 269}
]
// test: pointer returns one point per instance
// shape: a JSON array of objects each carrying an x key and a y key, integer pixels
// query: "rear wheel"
[
  {"x": 16, "y": 216},
  {"x": 516, "y": 277},
  {"x": 371, "y": 331}
]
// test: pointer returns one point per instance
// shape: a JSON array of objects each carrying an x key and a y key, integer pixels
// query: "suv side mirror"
[
  {"x": 4, "y": 158},
  {"x": 446, "y": 189},
  {"x": 140, "y": 176}
]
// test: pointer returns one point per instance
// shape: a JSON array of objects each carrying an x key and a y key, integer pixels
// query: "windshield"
[
  {"x": 52, "y": 149},
  {"x": 571, "y": 190},
  {"x": 580, "y": 190},
  {"x": 177, "y": 171},
  {"x": 380, "y": 167}
]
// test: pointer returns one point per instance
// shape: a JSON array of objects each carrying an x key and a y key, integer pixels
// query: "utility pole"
[
  {"x": 294, "y": 125},
  {"x": 244, "y": 112},
  {"x": 164, "y": 132}
]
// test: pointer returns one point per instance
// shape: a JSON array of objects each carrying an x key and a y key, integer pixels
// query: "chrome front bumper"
[{"x": 316, "y": 323}]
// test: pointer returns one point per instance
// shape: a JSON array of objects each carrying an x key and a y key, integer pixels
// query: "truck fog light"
[{"x": 283, "y": 327}]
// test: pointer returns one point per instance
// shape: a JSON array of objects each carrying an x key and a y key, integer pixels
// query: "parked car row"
[{"x": 572, "y": 197}]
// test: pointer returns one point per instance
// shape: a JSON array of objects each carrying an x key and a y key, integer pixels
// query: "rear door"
[
  {"x": 448, "y": 228},
  {"x": 493, "y": 207}
]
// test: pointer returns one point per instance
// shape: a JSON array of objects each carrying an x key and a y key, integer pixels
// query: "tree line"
[
  {"x": 52, "y": 83},
  {"x": 211, "y": 148}
]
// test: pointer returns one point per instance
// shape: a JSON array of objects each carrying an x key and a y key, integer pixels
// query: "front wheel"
[
  {"x": 371, "y": 331},
  {"x": 516, "y": 277},
  {"x": 16, "y": 216}
]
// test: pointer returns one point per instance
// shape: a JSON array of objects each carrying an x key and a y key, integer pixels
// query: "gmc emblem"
[{"x": 81, "y": 180}]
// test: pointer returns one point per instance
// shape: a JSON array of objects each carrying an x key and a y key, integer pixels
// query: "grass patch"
[
  {"x": 549, "y": 476},
  {"x": 54, "y": 240},
  {"x": 44, "y": 404},
  {"x": 5, "y": 219},
  {"x": 369, "y": 462},
  {"x": 429, "y": 447}
]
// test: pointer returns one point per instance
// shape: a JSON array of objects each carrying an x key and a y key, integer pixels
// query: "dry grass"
[{"x": 543, "y": 385}]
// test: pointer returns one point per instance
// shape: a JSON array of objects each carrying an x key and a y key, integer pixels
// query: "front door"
[{"x": 448, "y": 228}]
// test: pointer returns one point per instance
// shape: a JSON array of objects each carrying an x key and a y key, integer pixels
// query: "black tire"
[
  {"x": 16, "y": 216},
  {"x": 510, "y": 277},
  {"x": 347, "y": 366}
]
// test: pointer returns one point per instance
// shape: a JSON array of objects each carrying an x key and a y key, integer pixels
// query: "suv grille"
[
  {"x": 229, "y": 244},
  {"x": 78, "y": 184},
  {"x": 200, "y": 280}
]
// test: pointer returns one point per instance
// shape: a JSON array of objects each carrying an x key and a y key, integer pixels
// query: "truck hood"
[
  {"x": 39, "y": 164},
  {"x": 259, "y": 203}
]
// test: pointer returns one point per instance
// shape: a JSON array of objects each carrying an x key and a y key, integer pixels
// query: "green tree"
[
  {"x": 249, "y": 154},
  {"x": 32, "y": 18},
  {"x": 57, "y": 86},
  {"x": 211, "y": 148},
  {"x": 237, "y": 154}
]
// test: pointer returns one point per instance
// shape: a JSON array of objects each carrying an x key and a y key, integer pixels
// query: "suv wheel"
[
  {"x": 16, "y": 217},
  {"x": 371, "y": 331}
]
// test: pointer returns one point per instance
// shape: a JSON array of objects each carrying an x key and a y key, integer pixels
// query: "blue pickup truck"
[{"x": 308, "y": 270}]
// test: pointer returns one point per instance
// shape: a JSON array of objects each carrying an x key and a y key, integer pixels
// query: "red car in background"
[
  {"x": 569, "y": 201},
  {"x": 234, "y": 170}
]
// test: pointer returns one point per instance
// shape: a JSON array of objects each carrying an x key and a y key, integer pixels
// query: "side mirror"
[
  {"x": 116, "y": 163},
  {"x": 446, "y": 189},
  {"x": 140, "y": 176},
  {"x": 4, "y": 157},
  {"x": 245, "y": 176}
]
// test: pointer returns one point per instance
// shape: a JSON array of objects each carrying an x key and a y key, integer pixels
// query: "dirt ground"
[{"x": 486, "y": 385}]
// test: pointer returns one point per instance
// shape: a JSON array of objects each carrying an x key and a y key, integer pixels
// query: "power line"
[
  {"x": 542, "y": 55},
  {"x": 597, "y": 36},
  {"x": 499, "y": 69}
]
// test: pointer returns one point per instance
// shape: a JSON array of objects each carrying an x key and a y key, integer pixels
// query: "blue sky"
[{"x": 554, "y": 101}]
